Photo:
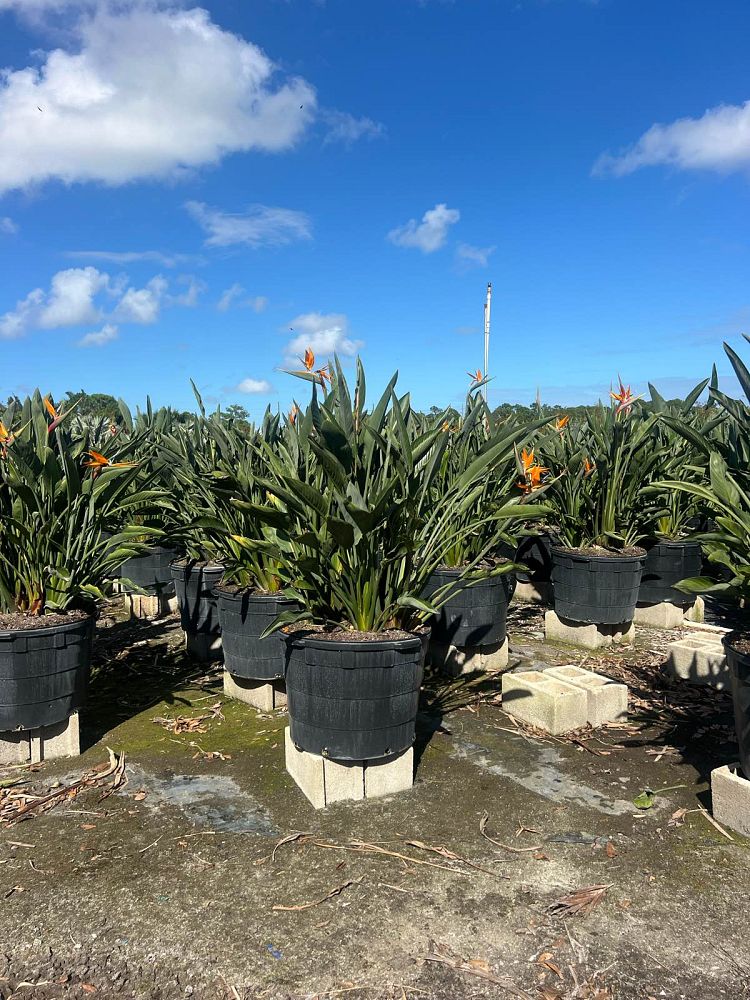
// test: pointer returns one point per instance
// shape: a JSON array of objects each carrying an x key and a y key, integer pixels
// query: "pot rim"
[
  {"x": 12, "y": 633},
  {"x": 571, "y": 553},
  {"x": 203, "y": 567},
  {"x": 237, "y": 595},
  {"x": 414, "y": 640}
]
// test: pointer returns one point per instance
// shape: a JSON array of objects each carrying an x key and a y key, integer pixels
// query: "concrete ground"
[{"x": 170, "y": 887}]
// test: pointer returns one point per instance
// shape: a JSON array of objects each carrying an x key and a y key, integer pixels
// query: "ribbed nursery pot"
[
  {"x": 598, "y": 589},
  {"x": 243, "y": 617}
]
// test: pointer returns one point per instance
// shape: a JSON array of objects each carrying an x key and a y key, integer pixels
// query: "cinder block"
[
  {"x": 263, "y": 695},
  {"x": 326, "y": 781},
  {"x": 46, "y": 743},
  {"x": 607, "y": 701},
  {"x": 533, "y": 593},
  {"x": 589, "y": 636},
  {"x": 551, "y": 704},
  {"x": 730, "y": 794},
  {"x": 205, "y": 648},
  {"x": 457, "y": 660},
  {"x": 668, "y": 615},
  {"x": 395, "y": 775},
  {"x": 147, "y": 606},
  {"x": 699, "y": 659}
]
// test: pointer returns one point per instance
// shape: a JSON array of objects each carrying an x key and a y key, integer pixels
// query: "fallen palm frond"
[
  {"x": 17, "y": 805},
  {"x": 506, "y": 847},
  {"x": 580, "y": 902}
]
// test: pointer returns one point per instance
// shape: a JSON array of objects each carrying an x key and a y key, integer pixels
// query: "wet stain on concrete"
[
  {"x": 540, "y": 772},
  {"x": 210, "y": 800}
]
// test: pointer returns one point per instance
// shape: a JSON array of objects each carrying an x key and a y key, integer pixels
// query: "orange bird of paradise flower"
[
  {"x": 527, "y": 459},
  {"x": 561, "y": 423},
  {"x": 98, "y": 462},
  {"x": 588, "y": 467},
  {"x": 293, "y": 414},
  {"x": 56, "y": 416},
  {"x": 476, "y": 376},
  {"x": 309, "y": 362},
  {"x": 6, "y": 438},
  {"x": 624, "y": 397},
  {"x": 309, "y": 359},
  {"x": 532, "y": 472}
]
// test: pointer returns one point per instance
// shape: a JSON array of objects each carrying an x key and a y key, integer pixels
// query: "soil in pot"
[
  {"x": 195, "y": 585},
  {"x": 475, "y": 615},
  {"x": 737, "y": 648},
  {"x": 243, "y": 617},
  {"x": 44, "y": 668},
  {"x": 351, "y": 696},
  {"x": 666, "y": 564},
  {"x": 596, "y": 585}
]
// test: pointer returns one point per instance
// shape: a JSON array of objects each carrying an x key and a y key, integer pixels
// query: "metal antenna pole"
[{"x": 487, "y": 305}]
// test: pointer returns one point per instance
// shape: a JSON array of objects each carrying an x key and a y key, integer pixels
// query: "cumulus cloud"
[
  {"x": 718, "y": 140},
  {"x": 254, "y": 386},
  {"x": 326, "y": 334},
  {"x": 98, "y": 338},
  {"x": 259, "y": 226},
  {"x": 235, "y": 292},
  {"x": 428, "y": 235},
  {"x": 144, "y": 90},
  {"x": 7, "y": 225},
  {"x": 469, "y": 256},
  {"x": 79, "y": 296},
  {"x": 347, "y": 129}
]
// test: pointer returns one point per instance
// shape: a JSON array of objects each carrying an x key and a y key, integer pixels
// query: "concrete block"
[
  {"x": 699, "y": 659},
  {"x": 607, "y": 701},
  {"x": 551, "y": 704},
  {"x": 533, "y": 593},
  {"x": 46, "y": 743},
  {"x": 145, "y": 606},
  {"x": 668, "y": 615},
  {"x": 205, "y": 648},
  {"x": 325, "y": 781},
  {"x": 456, "y": 660},
  {"x": 392, "y": 776},
  {"x": 730, "y": 794},
  {"x": 589, "y": 636},
  {"x": 263, "y": 695}
]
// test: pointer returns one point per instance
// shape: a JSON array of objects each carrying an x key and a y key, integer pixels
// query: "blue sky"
[{"x": 201, "y": 191}]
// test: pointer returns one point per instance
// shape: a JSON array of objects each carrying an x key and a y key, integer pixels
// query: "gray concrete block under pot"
[
  {"x": 730, "y": 798},
  {"x": 60, "y": 739},
  {"x": 265, "y": 696},
  {"x": 456, "y": 661},
  {"x": 325, "y": 781},
  {"x": 533, "y": 592},
  {"x": 149, "y": 606},
  {"x": 669, "y": 615},
  {"x": 587, "y": 635}
]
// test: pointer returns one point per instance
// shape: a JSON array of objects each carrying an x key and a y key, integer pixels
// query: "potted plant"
[
  {"x": 359, "y": 533},
  {"x": 595, "y": 492},
  {"x": 473, "y": 612},
  {"x": 56, "y": 557}
]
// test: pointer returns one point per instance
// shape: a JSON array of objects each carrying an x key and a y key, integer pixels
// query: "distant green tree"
[{"x": 94, "y": 404}]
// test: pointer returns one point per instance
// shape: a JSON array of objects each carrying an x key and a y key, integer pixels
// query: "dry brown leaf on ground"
[
  {"x": 611, "y": 850},
  {"x": 442, "y": 955},
  {"x": 324, "y": 899},
  {"x": 580, "y": 902}
]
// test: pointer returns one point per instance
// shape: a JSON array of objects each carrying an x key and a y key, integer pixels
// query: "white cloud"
[
  {"x": 428, "y": 235},
  {"x": 259, "y": 226},
  {"x": 469, "y": 256},
  {"x": 346, "y": 128},
  {"x": 7, "y": 225},
  {"x": 135, "y": 257},
  {"x": 98, "y": 338},
  {"x": 718, "y": 140},
  {"x": 325, "y": 334},
  {"x": 194, "y": 288},
  {"x": 228, "y": 296},
  {"x": 142, "y": 305},
  {"x": 254, "y": 385},
  {"x": 144, "y": 90},
  {"x": 70, "y": 301}
]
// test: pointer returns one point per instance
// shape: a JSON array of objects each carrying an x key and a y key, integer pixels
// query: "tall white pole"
[{"x": 487, "y": 306}]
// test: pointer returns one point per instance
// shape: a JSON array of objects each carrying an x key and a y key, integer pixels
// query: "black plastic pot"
[
  {"x": 195, "y": 586},
  {"x": 666, "y": 564},
  {"x": 243, "y": 617},
  {"x": 44, "y": 673},
  {"x": 739, "y": 672},
  {"x": 535, "y": 551},
  {"x": 475, "y": 615},
  {"x": 595, "y": 589},
  {"x": 353, "y": 700},
  {"x": 151, "y": 572}
]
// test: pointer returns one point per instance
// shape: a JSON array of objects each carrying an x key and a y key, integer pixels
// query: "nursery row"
[{"x": 331, "y": 547}]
